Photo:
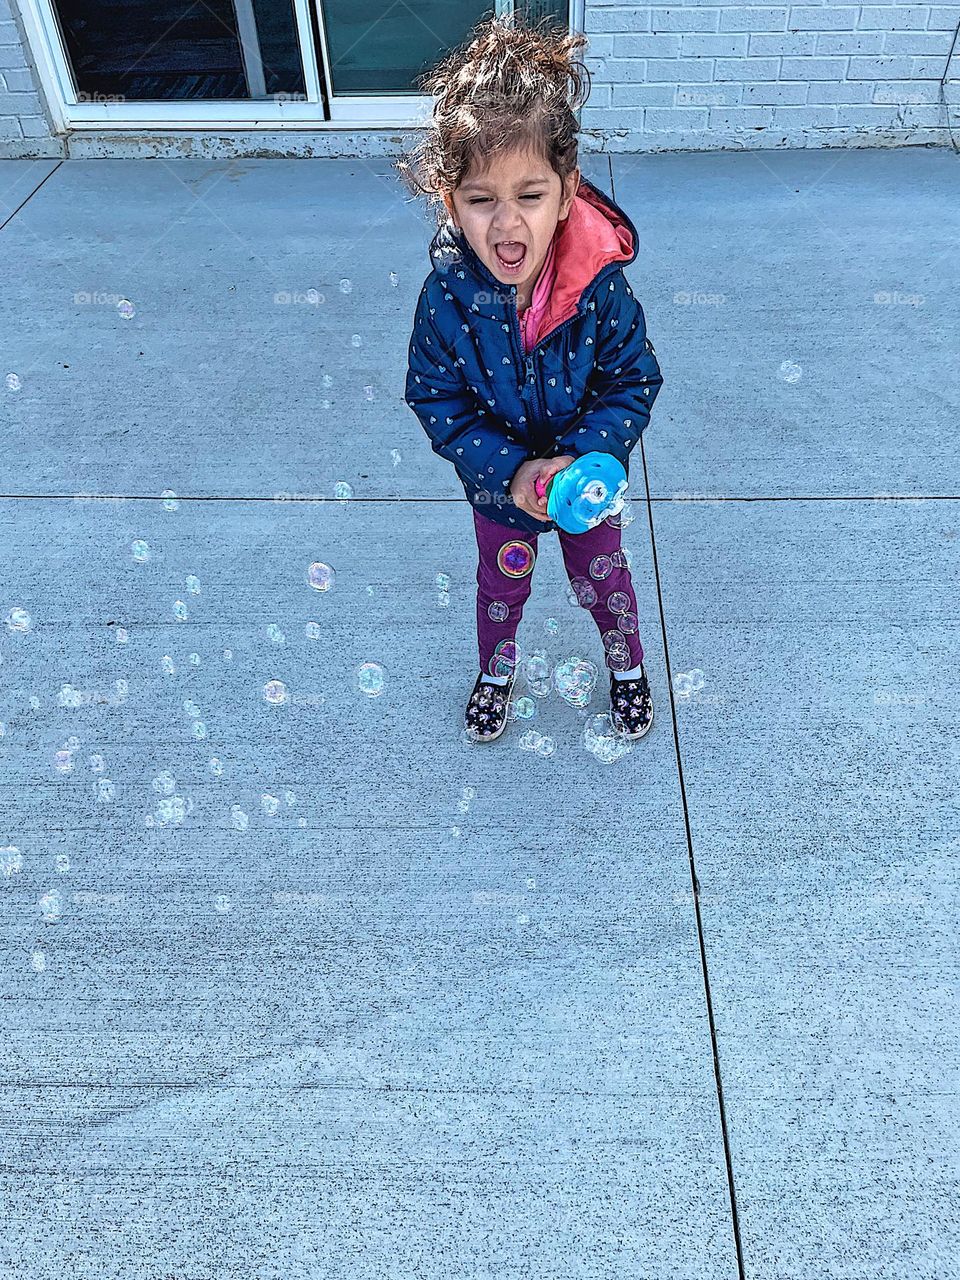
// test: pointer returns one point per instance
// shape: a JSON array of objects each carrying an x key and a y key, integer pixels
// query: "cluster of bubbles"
[
  {"x": 193, "y": 713},
  {"x": 13, "y": 382},
  {"x": 466, "y": 795},
  {"x": 687, "y": 682},
  {"x": 603, "y": 741},
  {"x": 443, "y": 590},
  {"x": 530, "y": 740},
  {"x": 572, "y": 679}
]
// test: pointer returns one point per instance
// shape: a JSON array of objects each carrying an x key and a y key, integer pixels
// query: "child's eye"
[{"x": 483, "y": 199}]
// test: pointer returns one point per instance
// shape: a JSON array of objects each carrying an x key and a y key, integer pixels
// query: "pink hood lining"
[{"x": 591, "y": 236}]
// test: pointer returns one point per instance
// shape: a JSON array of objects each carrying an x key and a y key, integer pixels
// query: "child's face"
[{"x": 517, "y": 200}]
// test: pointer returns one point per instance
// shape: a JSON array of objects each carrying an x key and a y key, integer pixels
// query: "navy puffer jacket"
[{"x": 588, "y": 384}]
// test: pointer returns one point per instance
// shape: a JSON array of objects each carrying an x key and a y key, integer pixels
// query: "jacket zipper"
[{"x": 530, "y": 379}]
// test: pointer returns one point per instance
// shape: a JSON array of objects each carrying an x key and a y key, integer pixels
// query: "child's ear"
[
  {"x": 569, "y": 192},
  {"x": 448, "y": 201}
]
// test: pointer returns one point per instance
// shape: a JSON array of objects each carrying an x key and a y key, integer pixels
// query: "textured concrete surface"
[{"x": 387, "y": 1027}]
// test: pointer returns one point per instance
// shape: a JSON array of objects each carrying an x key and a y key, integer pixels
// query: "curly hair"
[{"x": 510, "y": 87}]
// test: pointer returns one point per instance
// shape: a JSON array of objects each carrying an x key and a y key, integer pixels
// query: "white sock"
[
  {"x": 633, "y": 674},
  {"x": 501, "y": 680}
]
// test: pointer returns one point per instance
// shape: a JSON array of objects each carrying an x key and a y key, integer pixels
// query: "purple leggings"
[{"x": 598, "y": 573}]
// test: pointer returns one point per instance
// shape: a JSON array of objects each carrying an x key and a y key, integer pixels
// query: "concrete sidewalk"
[{"x": 311, "y": 987}]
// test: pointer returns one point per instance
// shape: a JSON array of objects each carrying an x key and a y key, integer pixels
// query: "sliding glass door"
[{"x": 257, "y": 62}]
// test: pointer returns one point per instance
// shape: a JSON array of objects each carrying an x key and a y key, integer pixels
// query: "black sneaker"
[
  {"x": 487, "y": 711},
  {"x": 631, "y": 705}
]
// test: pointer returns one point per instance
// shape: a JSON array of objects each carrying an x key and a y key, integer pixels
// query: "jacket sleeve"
[
  {"x": 625, "y": 381},
  {"x": 459, "y": 428}
]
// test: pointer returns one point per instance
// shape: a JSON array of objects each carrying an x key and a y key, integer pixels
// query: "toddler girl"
[{"x": 529, "y": 348}]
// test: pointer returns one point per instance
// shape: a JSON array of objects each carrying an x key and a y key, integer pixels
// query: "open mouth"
[{"x": 511, "y": 255}]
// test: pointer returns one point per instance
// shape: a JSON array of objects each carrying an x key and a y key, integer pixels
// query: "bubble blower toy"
[{"x": 585, "y": 492}]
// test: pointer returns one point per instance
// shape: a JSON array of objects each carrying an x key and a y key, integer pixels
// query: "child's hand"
[
  {"x": 523, "y": 492},
  {"x": 548, "y": 469}
]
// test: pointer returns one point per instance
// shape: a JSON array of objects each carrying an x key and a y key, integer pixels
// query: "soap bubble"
[
  {"x": 126, "y": 309},
  {"x": 238, "y": 819},
  {"x": 13, "y": 382},
  {"x": 346, "y": 286},
  {"x": 395, "y": 457},
  {"x": 19, "y": 620},
  {"x": 342, "y": 490},
  {"x": 312, "y": 630},
  {"x": 275, "y": 691},
  {"x": 269, "y": 804},
  {"x": 551, "y": 626},
  {"x": 193, "y": 584},
  {"x": 170, "y": 502},
  {"x": 11, "y": 860},
  {"x": 141, "y": 551},
  {"x": 582, "y": 592},
  {"x": 51, "y": 905},
  {"x": 165, "y": 783},
  {"x": 320, "y": 576},
  {"x": 179, "y": 611},
  {"x": 356, "y": 340},
  {"x": 369, "y": 678},
  {"x": 63, "y": 761},
  {"x": 498, "y": 610},
  {"x": 537, "y": 674}
]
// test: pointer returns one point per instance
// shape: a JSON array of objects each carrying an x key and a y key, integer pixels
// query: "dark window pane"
[
  {"x": 379, "y": 47},
  {"x": 177, "y": 50}
]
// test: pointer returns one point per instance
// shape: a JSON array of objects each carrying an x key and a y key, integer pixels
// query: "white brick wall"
[
  {"x": 24, "y": 126},
  {"x": 698, "y": 74},
  {"x": 709, "y": 74}
]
